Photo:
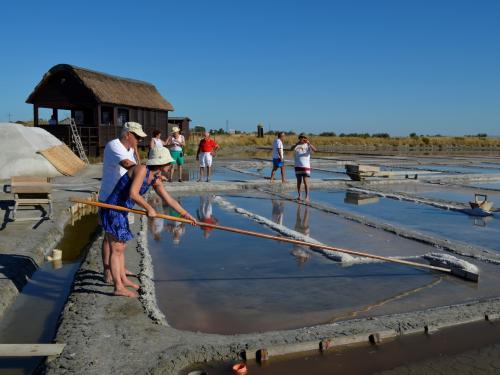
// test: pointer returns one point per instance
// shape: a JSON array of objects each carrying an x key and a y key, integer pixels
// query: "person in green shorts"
[{"x": 175, "y": 144}]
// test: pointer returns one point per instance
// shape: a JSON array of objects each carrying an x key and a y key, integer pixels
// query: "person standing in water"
[
  {"x": 129, "y": 191},
  {"x": 279, "y": 157},
  {"x": 302, "y": 150}
]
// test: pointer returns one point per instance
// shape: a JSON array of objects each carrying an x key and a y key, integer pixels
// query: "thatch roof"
[{"x": 110, "y": 89}]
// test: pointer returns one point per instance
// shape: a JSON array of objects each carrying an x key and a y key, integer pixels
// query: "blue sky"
[{"x": 352, "y": 66}]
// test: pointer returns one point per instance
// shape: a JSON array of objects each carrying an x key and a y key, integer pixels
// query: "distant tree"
[
  {"x": 381, "y": 135},
  {"x": 199, "y": 129},
  {"x": 413, "y": 135},
  {"x": 328, "y": 134}
]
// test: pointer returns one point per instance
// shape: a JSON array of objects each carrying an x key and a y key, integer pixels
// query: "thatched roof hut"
[
  {"x": 100, "y": 103},
  {"x": 104, "y": 88}
]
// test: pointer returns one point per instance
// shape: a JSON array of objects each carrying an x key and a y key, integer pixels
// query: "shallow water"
[
  {"x": 487, "y": 185},
  {"x": 290, "y": 173},
  {"x": 368, "y": 359},
  {"x": 448, "y": 193},
  {"x": 458, "y": 169},
  {"x": 451, "y": 224},
  {"x": 33, "y": 317},
  {"x": 328, "y": 228},
  {"x": 226, "y": 283},
  {"x": 217, "y": 173}
]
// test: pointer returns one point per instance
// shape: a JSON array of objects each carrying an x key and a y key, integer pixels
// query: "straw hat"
[
  {"x": 175, "y": 129},
  {"x": 159, "y": 156},
  {"x": 136, "y": 128}
]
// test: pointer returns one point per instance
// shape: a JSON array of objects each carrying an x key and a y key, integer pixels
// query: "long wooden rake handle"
[{"x": 262, "y": 235}]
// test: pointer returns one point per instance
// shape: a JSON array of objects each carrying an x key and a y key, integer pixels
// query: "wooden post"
[
  {"x": 35, "y": 115},
  {"x": 54, "y": 113},
  {"x": 98, "y": 115}
]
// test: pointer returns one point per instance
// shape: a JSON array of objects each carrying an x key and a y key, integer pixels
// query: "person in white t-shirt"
[
  {"x": 156, "y": 141},
  {"x": 120, "y": 155},
  {"x": 279, "y": 157},
  {"x": 302, "y": 150}
]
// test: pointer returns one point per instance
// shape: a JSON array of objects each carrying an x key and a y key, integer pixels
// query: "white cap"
[{"x": 136, "y": 128}]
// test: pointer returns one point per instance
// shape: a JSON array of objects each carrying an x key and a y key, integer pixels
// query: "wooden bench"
[{"x": 31, "y": 191}]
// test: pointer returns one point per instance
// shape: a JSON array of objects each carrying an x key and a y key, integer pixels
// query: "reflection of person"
[
  {"x": 156, "y": 223},
  {"x": 278, "y": 157},
  {"x": 206, "y": 150},
  {"x": 176, "y": 228},
  {"x": 175, "y": 144},
  {"x": 303, "y": 149},
  {"x": 302, "y": 222},
  {"x": 129, "y": 191},
  {"x": 204, "y": 214},
  {"x": 301, "y": 226},
  {"x": 278, "y": 210},
  {"x": 119, "y": 157}
]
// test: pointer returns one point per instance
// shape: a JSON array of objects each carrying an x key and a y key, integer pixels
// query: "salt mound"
[{"x": 19, "y": 147}]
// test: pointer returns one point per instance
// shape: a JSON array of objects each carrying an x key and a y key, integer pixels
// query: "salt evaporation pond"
[
  {"x": 218, "y": 173},
  {"x": 455, "y": 225},
  {"x": 447, "y": 193},
  {"x": 220, "y": 282},
  {"x": 456, "y": 169},
  {"x": 487, "y": 185},
  {"x": 290, "y": 173}
]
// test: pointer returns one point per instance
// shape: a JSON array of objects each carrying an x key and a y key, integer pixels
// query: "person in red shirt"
[{"x": 206, "y": 150}]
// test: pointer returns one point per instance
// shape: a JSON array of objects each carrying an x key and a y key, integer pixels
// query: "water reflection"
[
  {"x": 352, "y": 197},
  {"x": 205, "y": 214},
  {"x": 302, "y": 226},
  {"x": 278, "y": 210},
  {"x": 480, "y": 221},
  {"x": 156, "y": 224}
]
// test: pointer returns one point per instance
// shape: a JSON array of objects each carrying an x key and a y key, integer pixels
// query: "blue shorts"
[{"x": 277, "y": 163}]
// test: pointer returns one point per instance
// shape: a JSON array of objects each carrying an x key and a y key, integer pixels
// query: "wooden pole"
[{"x": 262, "y": 235}]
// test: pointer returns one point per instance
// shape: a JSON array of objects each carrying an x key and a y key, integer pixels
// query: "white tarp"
[{"x": 19, "y": 146}]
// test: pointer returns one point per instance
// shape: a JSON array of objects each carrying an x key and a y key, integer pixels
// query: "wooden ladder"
[{"x": 78, "y": 141}]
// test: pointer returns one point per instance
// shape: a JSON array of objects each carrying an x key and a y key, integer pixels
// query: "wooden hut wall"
[{"x": 150, "y": 119}]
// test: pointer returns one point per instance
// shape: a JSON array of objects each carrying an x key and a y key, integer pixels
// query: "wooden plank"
[
  {"x": 30, "y": 202},
  {"x": 30, "y": 350}
]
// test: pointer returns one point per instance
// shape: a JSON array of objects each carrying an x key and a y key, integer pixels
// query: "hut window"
[
  {"x": 106, "y": 115},
  {"x": 122, "y": 116}
]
